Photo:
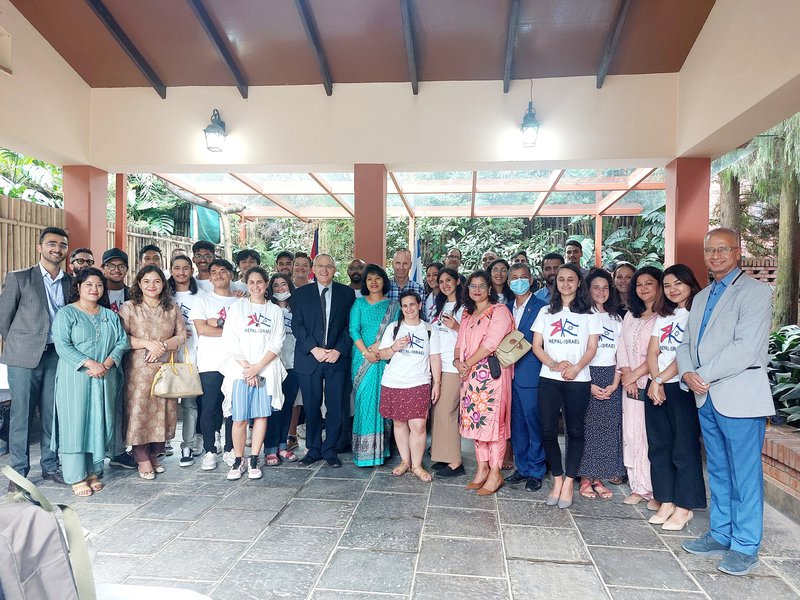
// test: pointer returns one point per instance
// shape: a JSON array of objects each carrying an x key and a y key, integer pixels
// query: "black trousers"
[
  {"x": 572, "y": 397},
  {"x": 333, "y": 378},
  {"x": 210, "y": 408},
  {"x": 673, "y": 439}
]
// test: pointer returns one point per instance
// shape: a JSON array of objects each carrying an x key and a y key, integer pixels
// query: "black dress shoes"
[
  {"x": 533, "y": 484},
  {"x": 438, "y": 466},
  {"x": 517, "y": 477},
  {"x": 55, "y": 477},
  {"x": 310, "y": 460},
  {"x": 448, "y": 471},
  {"x": 333, "y": 463}
]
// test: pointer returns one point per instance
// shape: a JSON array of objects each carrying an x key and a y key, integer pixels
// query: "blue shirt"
[
  {"x": 55, "y": 296},
  {"x": 717, "y": 289},
  {"x": 395, "y": 290},
  {"x": 543, "y": 294}
]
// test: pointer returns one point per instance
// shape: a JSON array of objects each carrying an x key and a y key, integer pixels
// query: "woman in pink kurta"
[
  {"x": 637, "y": 326},
  {"x": 485, "y": 401}
]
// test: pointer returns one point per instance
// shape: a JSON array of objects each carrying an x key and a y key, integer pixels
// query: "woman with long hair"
[
  {"x": 637, "y": 326},
  {"x": 370, "y": 317},
  {"x": 602, "y": 450},
  {"x": 622, "y": 275},
  {"x": 90, "y": 342},
  {"x": 155, "y": 327},
  {"x": 446, "y": 319},
  {"x": 485, "y": 399},
  {"x": 279, "y": 293},
  {"x": 253, "y": 339},
  {"x": 412, "y": 349},
  {"x": 431, "y": 289},
  {"x": 673, "y": 427},
  {"x": 565, "y": 338},
  {"x": 498, "y": 270}
]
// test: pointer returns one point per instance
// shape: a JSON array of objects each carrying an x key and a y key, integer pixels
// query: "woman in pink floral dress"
[{"x": 485, "y": 401}]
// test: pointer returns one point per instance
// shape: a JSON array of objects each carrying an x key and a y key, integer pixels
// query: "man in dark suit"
[
  {"x": 28, "y": 303},
  {"x": 320, "y": 317},
  {"x": 526, "y": 434}
]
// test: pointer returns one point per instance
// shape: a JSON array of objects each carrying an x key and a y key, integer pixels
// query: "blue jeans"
[{"x": 279, "y": 421}]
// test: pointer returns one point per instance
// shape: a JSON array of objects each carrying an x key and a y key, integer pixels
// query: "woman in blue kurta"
[
  {"x": 90, "y": 342},
  {"x": 369, "y": 317}
]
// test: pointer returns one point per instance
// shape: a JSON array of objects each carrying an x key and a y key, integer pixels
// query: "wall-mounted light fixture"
[
  {"x": 215, "y": 133},
  {"x": 530, "y": 124}
]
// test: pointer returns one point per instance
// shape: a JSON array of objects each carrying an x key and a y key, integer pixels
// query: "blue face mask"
[{"x": 519, "y": 286}]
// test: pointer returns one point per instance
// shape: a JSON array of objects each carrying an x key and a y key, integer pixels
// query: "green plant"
[{"x": 784, "y": 371}]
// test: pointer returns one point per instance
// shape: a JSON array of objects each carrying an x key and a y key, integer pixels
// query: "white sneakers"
[
  {"x": 253, "y": 470},
  {"x": 236, "y": 469},
  {"x": 187, "y": 457},
  {"x": 209, "y": 462}
]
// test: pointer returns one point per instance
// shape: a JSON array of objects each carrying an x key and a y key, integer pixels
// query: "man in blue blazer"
[
  {"x": 320, "y": 321},
  {"x": 723, "y": 359},
  {"x": 28, "y": 303},
  {"x": 526, "y": 436}
]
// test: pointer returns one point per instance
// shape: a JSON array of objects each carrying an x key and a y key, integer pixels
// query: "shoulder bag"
[{"x": 177, "y": 380}]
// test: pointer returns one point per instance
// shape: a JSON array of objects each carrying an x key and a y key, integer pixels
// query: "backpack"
[{"x": 36, "y": 561}]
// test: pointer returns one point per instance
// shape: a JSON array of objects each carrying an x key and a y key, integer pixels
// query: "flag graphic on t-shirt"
[
  {"x": 258, "y": 320},
  {"x": 608, "y": 334},
  {"x": 564, "y": 326},
  {"x": 417, "y": 342},
  {"x": 222, "y": 314},
  {"x": 672, "y": 332}
]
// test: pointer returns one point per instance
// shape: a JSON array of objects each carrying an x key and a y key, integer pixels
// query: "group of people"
[{"x": 639, "y": 363}]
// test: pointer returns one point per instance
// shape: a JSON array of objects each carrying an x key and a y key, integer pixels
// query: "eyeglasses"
[
  {"x": 480, "y": 286},
  {"x": 115, "y": 267},
  {"x": 721, "y": 250},
  {"x": 83, "y": 261},
  {"x": 204, "y": 256},
  {"x": 458, "y": 256},
  {"x": 324, "y": 267}
]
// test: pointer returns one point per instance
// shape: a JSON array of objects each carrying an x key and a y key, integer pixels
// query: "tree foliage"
[{"x": 31, "y": 179}]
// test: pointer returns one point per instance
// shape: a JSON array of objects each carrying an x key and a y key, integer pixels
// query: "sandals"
[
  {"x": 421, "y": 474},
  {"x": 149, "y": 475},
  {"x": 291, "y": 442},
  {"x": 601, "y": 490},
  {"x": 507, "y": 466},
  {"x": 401, "y": 469},
  {"x": 81, "y": 489},
  {"x": 272, "y": 460},
  {"x": 287, "y": 455},
  {"x": 586, "y": 489},
  {"x": 93, "y": 481}
]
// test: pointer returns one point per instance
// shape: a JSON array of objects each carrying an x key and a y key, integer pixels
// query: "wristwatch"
[{"x": 658, "y": 380}]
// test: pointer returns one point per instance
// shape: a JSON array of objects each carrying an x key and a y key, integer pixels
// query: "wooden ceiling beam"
[
  {"x": 325, "y": 186},
  {"x": 634, "y": 179},
  {"x": 612, "y": 41},
  {"x": 511, "y": 41},
  {"x": 552, "y": 182},
  {"x": 276, "y": 201},
  {"x": 220, "y": 45},
  {"x": 128, "y": 46},
  {"x": 313, "y": 38},
  {"x": 411, "y": 49},
  {"x": 409, "y": 209}
]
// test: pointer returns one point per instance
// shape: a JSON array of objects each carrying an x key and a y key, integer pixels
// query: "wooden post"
[
  {"x": 688, "y": 183},
  {"x": 370, "y": 212},
  {"x": 598, "y": 240}
]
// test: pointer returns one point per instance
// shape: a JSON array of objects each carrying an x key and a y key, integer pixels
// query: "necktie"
[{"x": 324, "y": 301}]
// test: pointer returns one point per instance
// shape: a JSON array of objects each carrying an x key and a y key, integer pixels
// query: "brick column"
[
  {"x": 85, "y": 197},
  {"x": 688, "y": 182},
  {"x": 370, "y": 213}
]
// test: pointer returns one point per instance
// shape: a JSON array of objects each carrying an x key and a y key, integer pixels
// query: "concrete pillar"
[
  {"x": 121, "y": 212},
  {"x": 85, "y": 197},
  {"x": 370, "y": 212},
  {"x": 688, "y": 182}
]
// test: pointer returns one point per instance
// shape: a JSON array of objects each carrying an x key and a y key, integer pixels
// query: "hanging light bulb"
[
  {"x": 530, "y": 124},
  {"x": 215, "y": 133}
]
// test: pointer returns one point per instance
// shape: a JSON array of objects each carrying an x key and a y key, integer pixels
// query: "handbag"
[
  {"x": 177, "y": 380},
  {"x": 494, "y": 366},
  {"x": 513, "y": 347}
]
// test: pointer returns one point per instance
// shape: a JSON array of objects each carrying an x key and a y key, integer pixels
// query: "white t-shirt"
[
  {"x": 116, "y": 298},
  {"x": 566, "y": 337},
  {"x": 287, "y": 352},
  {"x": 429, "y": 306},
  {"x": 447, "y": 337},
  {"x": 607, "y": 344},
  {"x": 411, "y": 367},
  {"x": 669, "y": 331},
  {"x": 210, "y": 350},
  {"x": 184, "y": 301},
  {"x": 205, "y": 285}
]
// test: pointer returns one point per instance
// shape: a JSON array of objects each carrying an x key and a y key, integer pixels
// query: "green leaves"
[{"x": 784, "y": 371}]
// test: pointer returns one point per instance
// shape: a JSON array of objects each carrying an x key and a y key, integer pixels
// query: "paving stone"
[
  {"x": 208, "y": 561},
  {"x": 369, "y": 571},
  {"x": 513, "y": 512},
  {"x": 393, "y": 505},
  {"x": 457, "y": 557},
  {"x": 458, "y": 497},
  {"x": 333, "y": 489},
  {"x": 518, "y": 492},
  {"x": 624, "y": 533},
  {"x": 342, "y": 595},
  {"x": 176, "y": 507},
  {"x": 704, "y": 564},
  {"x": 542, "y": 543},
  {"x": 135, "y": 536},
  {"x": 628, "y": 593},
  {"x": 97, "y": 517},
  {"x": 207, "y": 485},
  {"x": 316, "y": 513},
  {"x": 383, "y": 533},
  {"x": 460, "y": 522},
  {"x": 788, "y": 568},
  {"x": 301, "y": 544},
  {"x": 230, "y": 524},
  {"x": 781, "y": 535},
  {"x": 251, "y": 579},
  {"x": 641, "y": 568},
  {"x": 201, "y": 587},
  {"x": 280, "y": 477},
  {"x": 403, "y": 485},
  {"x": 447, "y": 587},
  {"x": 726, "y": 587},
  {"x": 127, "y": 493},
  {"x": 348, "y": 470},
  {"x": 603, "y": 508},
  {"x": 258, "y": 496},
  {"x": 699, "y": 524},
  {"x": 548, "y": 580},
  {"x": 116, "y": 568}
]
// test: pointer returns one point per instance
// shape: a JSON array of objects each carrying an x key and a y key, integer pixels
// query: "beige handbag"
[
  {"x": 512, "y": 348},
  {"x": 177, "y": 380}
]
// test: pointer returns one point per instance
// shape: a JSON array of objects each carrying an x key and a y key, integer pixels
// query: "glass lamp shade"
[
  {"x": 215, "y": 133},
  {"x": 529, "y": 127}
]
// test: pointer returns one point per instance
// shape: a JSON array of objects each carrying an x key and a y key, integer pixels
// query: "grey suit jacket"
[
  {"x": 24, "y": 318},
  {"x": 732, "y": 356}
]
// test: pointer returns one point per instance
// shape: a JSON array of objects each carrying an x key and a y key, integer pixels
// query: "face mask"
[
  {"x": 282, "y": 296},
  {"x": 519, "y": 286}
]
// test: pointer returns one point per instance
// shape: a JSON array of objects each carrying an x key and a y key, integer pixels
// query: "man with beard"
[
  {"x": 355, "y": 271},
  {"x": 283, "y": 262},
  {"x": 550, "y": 264},
  {"x": 79, "y": 259}
]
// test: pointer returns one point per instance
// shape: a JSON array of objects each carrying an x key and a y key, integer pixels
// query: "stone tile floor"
[{"x": 353, "y": 534}]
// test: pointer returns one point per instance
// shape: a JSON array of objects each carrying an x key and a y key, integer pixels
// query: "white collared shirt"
[
  {"x": 321, "y": 287},
  {"x": 520, "y": 310},
  {"x": 55, "y": 296}
]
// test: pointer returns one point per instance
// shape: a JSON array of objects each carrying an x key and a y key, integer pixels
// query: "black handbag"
[{"x": 494, "y": 366}]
